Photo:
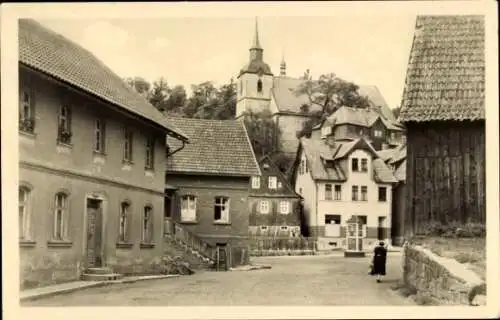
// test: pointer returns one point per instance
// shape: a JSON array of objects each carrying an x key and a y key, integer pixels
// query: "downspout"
[
  {"x": 177, "y": 150},
  {"x": 316, "y": 213}
]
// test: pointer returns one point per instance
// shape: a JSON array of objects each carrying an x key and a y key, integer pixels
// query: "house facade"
[
  {"x": 445, "y": 122},
  {"x": 92, "y": 161},
  {"x": 274, "y": 206},
  {"x": 339, "y": 180},
  {"x": 258, "y": 88},
  {"x": 208, "y": 183}
]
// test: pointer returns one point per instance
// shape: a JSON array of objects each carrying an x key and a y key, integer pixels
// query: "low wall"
[
  {"x": 272, "y": 246},
  {"x": 443, "y": 279}
]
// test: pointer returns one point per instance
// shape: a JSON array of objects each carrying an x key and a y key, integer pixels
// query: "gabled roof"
[
  {"x": 361, "y": 117},
  {"x": 288, "y": 101},
  {"x": 446, "y": 70},
  {"x": 286, "y": 190},
  {"x": 217, "y": 147},
  {"x": 48, "y": 52},
  {"x": 395, "y": 156},
  {"x": 324, "y": 160}
]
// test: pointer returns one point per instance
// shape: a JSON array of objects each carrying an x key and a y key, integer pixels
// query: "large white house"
[{"x": 340, "y": 179}]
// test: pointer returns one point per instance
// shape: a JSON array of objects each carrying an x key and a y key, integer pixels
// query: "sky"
[{"x": 368, "y": 50}]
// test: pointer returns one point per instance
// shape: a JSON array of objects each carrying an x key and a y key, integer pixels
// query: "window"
[
  {"x": 382, "y": 194},
  {"x": 127, "y": 147},
  {"x": 123, "y": 228},
  {"x": 377, "y": 133},
  {"x": 221, "y": 210},
  {"x": 150, "y": 153},
  {"x": 354, "y": 165},
  {"x": 147, "y": 228},
  {"x": 60, "y": 214},
  {"x": 26, "y": 114},
  {"x": 354, "y": 193},
  {"x": 284, "y": 207},
  {"x": 188, "y": 208},
  {"x": 364, "y": 165},
  {"x": 64, "y": 122},
  {"x": 272, "y": 182},
  {"x": 259, "y": 86},
  {"x": 338, "y": 192},
  {"x": 306, "y": 169},
  {"x": 364, "y": 193},
  {"x": 100, "y": 135},
  {"x": 264, "y": 207},
  {"x": 328, "y": 191},
  {"x": 255, "y": 182},
  {"x": 24, "y": 212},
  {"x": 393, "y": 135},
  {"x": 280, "y": 185},
  {"x": 325, "y": 131}
]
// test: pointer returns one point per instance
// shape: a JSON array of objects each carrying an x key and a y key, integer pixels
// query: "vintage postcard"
[{"x": 250, "y": 160}]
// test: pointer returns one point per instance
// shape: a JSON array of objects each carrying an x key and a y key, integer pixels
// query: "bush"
[{"x": 454, "y": 229}]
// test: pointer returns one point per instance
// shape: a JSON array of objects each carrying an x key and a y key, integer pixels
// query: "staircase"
[
  {"x": 181, "y": 242},
  {"x": 100, "y": 274}
]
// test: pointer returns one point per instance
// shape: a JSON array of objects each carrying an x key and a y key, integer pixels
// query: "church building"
[{"x": 259, "y": 89}]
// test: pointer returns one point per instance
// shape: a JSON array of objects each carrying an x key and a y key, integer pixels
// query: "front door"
[
  {"x": 94, "y": 233},
  {"x": 382, "y": 230}
]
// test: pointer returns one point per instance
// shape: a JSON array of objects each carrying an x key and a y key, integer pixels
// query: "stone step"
[
  {"x": 98, "y": 271},
  {"x": 101, "y": 277}
]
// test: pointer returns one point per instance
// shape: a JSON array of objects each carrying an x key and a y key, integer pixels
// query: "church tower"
[{"x": 255, "y": 80}]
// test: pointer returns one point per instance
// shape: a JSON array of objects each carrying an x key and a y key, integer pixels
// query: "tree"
[
  {"x": 159, "y": 94},
  {"x": 139, "y": 84},
  {"x": 226, "y": 108},
  {"x": 329, "y": 93},
  {"x": 176, "y": 100},
  {"x": 263, "y": 132},
  {"x": 396, "y": 111}
]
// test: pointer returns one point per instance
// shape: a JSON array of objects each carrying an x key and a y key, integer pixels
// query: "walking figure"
[{"x": 379, "y": 261}]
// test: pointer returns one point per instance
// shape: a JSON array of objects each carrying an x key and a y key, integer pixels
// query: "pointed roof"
[
  {"x": 256, "y": 42},
  {"x": 48, "y": 52},
  {"x": 445, "y": 79},
  {"x": 286, "y": 190}
]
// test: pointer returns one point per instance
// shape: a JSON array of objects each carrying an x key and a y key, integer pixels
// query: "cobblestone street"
[{"x": 304, "y": 280}]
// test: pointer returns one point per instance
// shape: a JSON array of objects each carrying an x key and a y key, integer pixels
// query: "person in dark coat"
[{"x": 379, "y": 261}]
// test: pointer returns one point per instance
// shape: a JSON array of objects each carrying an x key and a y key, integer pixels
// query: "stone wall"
[{"x": 444, "y": 280}]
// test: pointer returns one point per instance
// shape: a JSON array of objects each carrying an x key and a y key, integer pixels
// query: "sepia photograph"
[{"x": 254, "y": 159}]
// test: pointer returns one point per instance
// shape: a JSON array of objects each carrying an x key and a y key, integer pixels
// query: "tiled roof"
[
  {"x": 256, "y": 66},
  {"x": 286, "y": 99},
  {"x": 286, "y": 190},
  {"x": 61, "y": 58},
  {"x": 446, "y": 71},
  {"x": 386, "y": 154},
  {"x": 360, "y": 117},
  {"x": 217, "y": 147},
  {"x": 318, "y": 153}
]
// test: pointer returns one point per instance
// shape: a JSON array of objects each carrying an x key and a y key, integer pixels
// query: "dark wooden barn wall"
[{"x": 445, "y": 173}]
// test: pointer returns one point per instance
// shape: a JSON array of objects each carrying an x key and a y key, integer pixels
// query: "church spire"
[
  {"x": 283, "y": 65},
  {"x": 256, "y": 42},
  {"x": 256, "y": 51}
]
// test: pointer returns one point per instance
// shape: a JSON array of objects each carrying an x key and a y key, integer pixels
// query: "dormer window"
[
  {"x": 326, "y": 131},
  {"x": 377, "y": 133},
  {"x": 259, "y": 86}
]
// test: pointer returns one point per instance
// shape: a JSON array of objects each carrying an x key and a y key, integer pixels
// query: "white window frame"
[
  {"x": 357, "y": 164},
  {"x": 264, "y": 207},
  {"x": 188, "y": 208},
  {"x": 25, "y": 105},
  {"x": 377, "y": 133},
  {"x": 64, "y": 112},
  {"x": 60, "y": 208},
  {"x": 147, "y": 225},
  {"x": 328, "y": 193},
  {"x": 273, "y": 182},
  {"x": 128, "y": 144},
  {"x": 355, "y": 198},
  {"x": 255, "y": 182},
  {"x": 224, "y": 214},
  {"x": 24, "y": 222},
  {"x": 361, "y": 193},
  {"x": 339, "y": 192},
  {"x": 284, "y": 207},
  {"x": 365, "y": 167},
  {"x": 378, "y": 196},
  {"x": 123, "y": 221},
  {"x": 99, "y": 135},
  {"x": 150, "y": 154}
]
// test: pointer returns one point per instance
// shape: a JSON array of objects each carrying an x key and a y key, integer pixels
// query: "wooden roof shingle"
[
  {"x": 50, "y": 53},
  {"x": 217, "y": 147},
  {"x": 445, "y": 78}
]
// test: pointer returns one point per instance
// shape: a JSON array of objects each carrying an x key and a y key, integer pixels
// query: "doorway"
[
  {"x": 381, "y": 229},
  {"x": 94, "y": 233}
]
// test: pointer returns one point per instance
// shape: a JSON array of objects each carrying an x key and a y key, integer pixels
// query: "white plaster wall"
[
  {"x": 247, "y": 95},
  {"x": 308, "y": 186},
  {"x": 346, "y": 207}
]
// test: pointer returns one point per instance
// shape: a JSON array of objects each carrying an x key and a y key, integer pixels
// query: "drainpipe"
[
  {"x": 169, "y": 154},
  {"x": 316, "y": 213}
]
